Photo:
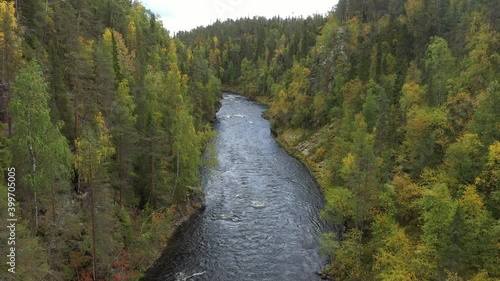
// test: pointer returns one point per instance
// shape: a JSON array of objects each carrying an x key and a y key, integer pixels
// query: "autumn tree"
[
  {"x": 10, "y": 52},
  {"x": 393, "y": 261}
]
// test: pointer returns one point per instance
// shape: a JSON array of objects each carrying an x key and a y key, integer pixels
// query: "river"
[{"x": 261, "y": 220}]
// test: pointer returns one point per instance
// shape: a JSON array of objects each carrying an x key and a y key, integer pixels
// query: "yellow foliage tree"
[{"x": 10, "y": 54}]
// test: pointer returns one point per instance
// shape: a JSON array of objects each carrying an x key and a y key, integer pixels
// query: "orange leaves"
[
  {"x": 78, "y": 260},
  {"x": 158, "y": 217},
  {"x": 123, "y": 269}
]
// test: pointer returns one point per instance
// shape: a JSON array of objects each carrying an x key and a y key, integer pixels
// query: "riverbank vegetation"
[
  {"x": 396, "y": 105},
  {"x": 103, "y": 116}
]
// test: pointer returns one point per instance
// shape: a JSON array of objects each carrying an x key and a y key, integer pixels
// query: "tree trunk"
[
  {"x": 176, "y": 177},
  {"x": 120, "y": 168},
  {"x": 75, "y": 130},
  {"x": 53, "y": 204},
  {"x": 33, "y": 170},
  {"x": 17, "y": 11},
  {"x": 153, "y": 171},
  {"x": 92, "y": 203}
]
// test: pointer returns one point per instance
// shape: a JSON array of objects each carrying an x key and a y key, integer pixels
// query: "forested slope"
[
  {"x": 396, "y": 106},
  {"x": 103, "y": 117}
]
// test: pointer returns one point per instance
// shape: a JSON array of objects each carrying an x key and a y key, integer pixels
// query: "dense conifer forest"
[{"x": 394, "y": 105}]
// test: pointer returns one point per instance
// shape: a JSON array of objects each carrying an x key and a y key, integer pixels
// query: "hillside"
[
  {"x": 395, "y": 106},
  {"x": 104, "y": 117}
]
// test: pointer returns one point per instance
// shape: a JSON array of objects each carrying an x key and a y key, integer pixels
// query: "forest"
[
  {"x": 104, "y": 117},
  {"x": 394, "y": 105}
]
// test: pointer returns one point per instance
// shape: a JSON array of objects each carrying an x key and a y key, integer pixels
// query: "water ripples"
[{"x": 262, "y": 216}]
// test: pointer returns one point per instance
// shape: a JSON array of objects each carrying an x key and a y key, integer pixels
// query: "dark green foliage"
[{"x": 109, "y": 148}]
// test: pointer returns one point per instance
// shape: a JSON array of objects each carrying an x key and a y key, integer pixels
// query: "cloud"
[{"x": 188, "y": 14}]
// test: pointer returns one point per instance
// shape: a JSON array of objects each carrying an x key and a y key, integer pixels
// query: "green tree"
[
  {"x": 93, "y": 148},
  {"x": 155, "y": 155},
  {"x": 423, "y": 139},
  {"x": 359, "y": 172},
  {"x": 339, "y": 207},
  {"x": 185, "y": 142},
  {"x": 460, "y": 109},
  {"x": 439, "y": 67},
  {"x": 438, "y": 212},
  {"x": 371, "y": 105},
  {"x": 464, "y": 159},
  {"x": 486, "y": 118},
  {"x": 41, "y": 152},
  {"x": 482, "y": 59},
  {"x": 488, "y": 182},
  {"x": 81, "y": 75},
  {"x": 249, "y": 77},
  {"x": 347, "y": 262},
  {"x": 125, "y": 137},
  {"x": 186, "y": 150},
  {"x": 477, "y": 234}
]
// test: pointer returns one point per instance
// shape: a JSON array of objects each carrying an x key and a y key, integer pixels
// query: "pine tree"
[
  {"x": 125, "y": 137},
  {"x": 439, "y": 67},
  {"x": 359, "y": 170},
  {"x": 155, "y": 155},
  {"x": 93, "y": 148}
]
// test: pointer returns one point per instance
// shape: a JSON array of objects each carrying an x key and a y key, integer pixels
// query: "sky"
[{"x": 179, "y": 15}]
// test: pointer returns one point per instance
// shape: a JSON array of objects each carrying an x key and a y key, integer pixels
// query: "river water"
[{"x": 261, "y": 221}]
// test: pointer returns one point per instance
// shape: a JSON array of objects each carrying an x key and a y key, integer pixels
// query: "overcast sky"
[{"x": 180, "y": 15}]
